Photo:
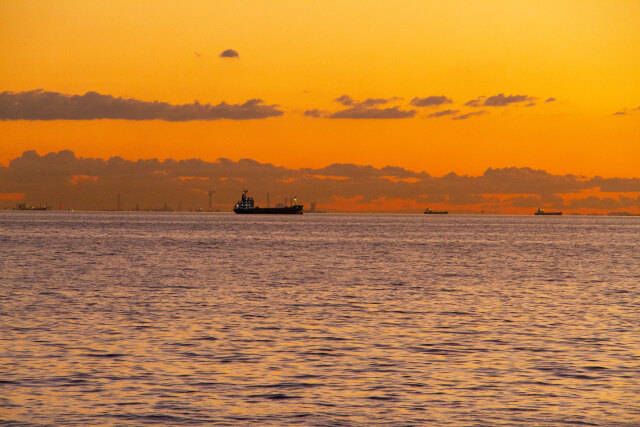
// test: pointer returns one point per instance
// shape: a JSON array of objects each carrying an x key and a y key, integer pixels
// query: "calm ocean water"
[{"x": 154, "y": 318}]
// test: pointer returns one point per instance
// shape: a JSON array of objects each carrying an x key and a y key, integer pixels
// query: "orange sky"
[{"x": 303, "y": 55}]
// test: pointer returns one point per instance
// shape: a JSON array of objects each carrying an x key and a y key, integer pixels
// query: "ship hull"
[
  {"x": 288, "y": 210},
  {"x": 32, "y": 209},
  {"x": 437, "y": 213},
  {"x": 548, "y": 213}
]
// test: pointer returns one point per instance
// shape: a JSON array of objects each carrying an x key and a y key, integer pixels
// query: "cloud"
[
  {"x": 529, "y": 181},
  {"x": 608, "y": 203},
  {"x": 626, "y": 111},
  {"x": 89, "y": 183},
  {"x": 372, "y": 113},
  {"x": 469, "y": 115},
  {"x": 475, "y": 102},
  {"x": 443, "y": 113},
  {"x": 373, "y": 102},
  {"x": 525, "y": 201},
  {"x": 430, "y": 101},
  {"x": 615, "y": 184},
  {"x": 12, "y": 196},
  {"x": 41, "y": 105},
  {"x": 316, "y": 113},
  {"x": 345, "y": 100},
  {"x": 549, "y": 100},
  {"x": 465, "y": 198},
  {"x": 229, "y": 53},
  {"x": 367, "y": 109},
  {"x": 499, "y": 100}
]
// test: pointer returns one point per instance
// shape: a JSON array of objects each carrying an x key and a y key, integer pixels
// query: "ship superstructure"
[{"x": 543, "y": 212}]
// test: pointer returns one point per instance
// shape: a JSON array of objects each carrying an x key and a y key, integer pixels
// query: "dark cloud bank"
[
  {"x": 41, "y": 105},
  {"x": 88, "y": 183}
]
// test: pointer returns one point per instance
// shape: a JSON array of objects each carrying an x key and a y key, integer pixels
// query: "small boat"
[
  {"x": 246, "y": 206},
  {"x": 26, "y": 207},
  {"x": 429, "y": 211},
  {"x": 543, "y": 212}
]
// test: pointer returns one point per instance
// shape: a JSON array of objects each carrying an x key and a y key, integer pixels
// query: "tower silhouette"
[{"x": 211, "y": 192}]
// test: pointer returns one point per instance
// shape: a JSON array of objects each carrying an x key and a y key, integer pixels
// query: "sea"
[{"x": 150, "y": 318}]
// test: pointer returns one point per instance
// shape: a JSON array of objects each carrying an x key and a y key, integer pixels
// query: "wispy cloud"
[
  {"x": 549, "y": 100},
  {"x": 443, "y": 113},
  {"x": 373, "y": 102},
  {"x": 316, "y": 113},
  {"x": 372, "y": 113},
  {"x": 430, "y": 101},
  {"x": 348, "y": 101},
  {"x": 477, "y": 102},
  {"x": 626, "y": 111},
  {"x": 41, "y": 105},
  {"x": 469, "y": 115},
  {"x": 345, "y": 100},
  {"x": 370, "y": 108},
  {"x": 499, "y": 100}
]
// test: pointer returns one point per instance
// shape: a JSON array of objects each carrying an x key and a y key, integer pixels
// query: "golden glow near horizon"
[{"x": 303, "y": 55}]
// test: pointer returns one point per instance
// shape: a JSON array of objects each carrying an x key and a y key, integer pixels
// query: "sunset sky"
[{"x": 435, "y": 86}]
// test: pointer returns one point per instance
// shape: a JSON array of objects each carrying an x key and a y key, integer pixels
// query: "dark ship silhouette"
[
  {"x": 246, "y": 206},
  {"x": 543, "y": 212},
  {"x": 429, "y": 211},
  {"x": 26, "y": 207}
]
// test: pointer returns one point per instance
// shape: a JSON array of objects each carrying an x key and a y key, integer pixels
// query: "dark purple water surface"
[{"x": 161, "y": 318}]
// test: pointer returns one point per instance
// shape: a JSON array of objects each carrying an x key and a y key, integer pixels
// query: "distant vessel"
[
  {"x": 26, "y": 207},
  {"x": 432, "y": 212},
  {"x": 543, "y": 212},
  {"x": 246, "y": 206},
  {"x": 314, "y": 208}
]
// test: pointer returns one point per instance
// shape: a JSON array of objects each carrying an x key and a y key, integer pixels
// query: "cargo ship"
[
  {"x": 543, "y": 212},
  {"x": 432, "y": 212},
  {"x": 246, "y": 206}
]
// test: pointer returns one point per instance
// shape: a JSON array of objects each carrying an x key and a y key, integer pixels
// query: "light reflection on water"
[{"x": 135, "y": 318}]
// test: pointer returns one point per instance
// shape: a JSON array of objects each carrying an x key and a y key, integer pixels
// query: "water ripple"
[{"x": 177, "y": 319}]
